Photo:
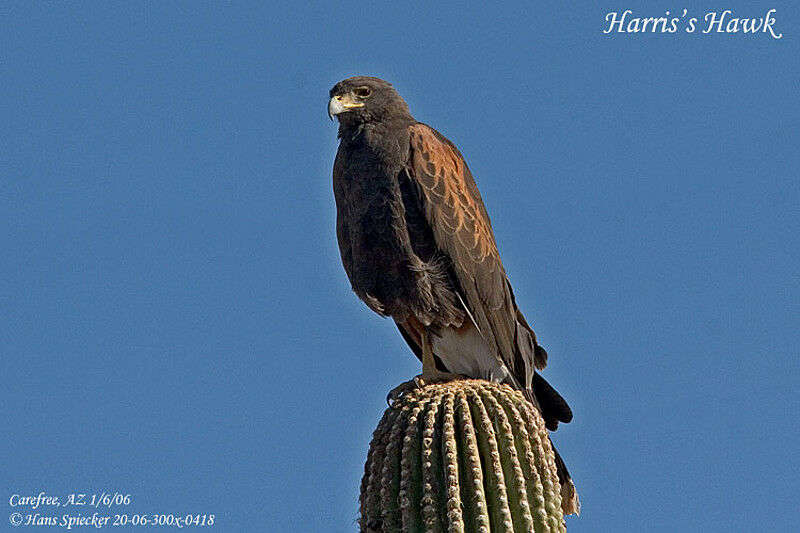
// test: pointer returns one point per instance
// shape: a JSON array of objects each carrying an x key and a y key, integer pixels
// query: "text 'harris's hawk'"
[{"x": 418, "y": 246}]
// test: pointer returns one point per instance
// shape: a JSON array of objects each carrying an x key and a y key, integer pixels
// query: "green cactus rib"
[
  {"x": 475, "y": 517},
  {"x": 459, "y": 457}
]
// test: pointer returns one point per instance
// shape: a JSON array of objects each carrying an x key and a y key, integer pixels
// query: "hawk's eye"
[{"x": 363, "y": 92}]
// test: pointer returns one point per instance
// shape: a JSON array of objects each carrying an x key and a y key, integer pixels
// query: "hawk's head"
[{"x": 363, "y": 99}]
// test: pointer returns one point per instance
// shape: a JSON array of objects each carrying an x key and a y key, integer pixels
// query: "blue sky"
[{"x": 175, "y": 322}]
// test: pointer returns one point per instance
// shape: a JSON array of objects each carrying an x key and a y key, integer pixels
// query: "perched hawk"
[{"x": 418, "y": 246}]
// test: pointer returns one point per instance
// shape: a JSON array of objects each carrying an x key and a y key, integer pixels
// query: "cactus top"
[{"x": 461, "y": 456}]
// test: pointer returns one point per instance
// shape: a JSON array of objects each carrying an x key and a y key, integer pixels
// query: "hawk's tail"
[
  {"x": 555, "y": 409},
  {"x": 570, "y": 504}
]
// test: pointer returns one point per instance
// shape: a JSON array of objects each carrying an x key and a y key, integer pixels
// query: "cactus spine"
[{"x": 462, "y": 456}]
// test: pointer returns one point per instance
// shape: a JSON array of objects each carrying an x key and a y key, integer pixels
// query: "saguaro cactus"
[{"x": 462, "y": 456}]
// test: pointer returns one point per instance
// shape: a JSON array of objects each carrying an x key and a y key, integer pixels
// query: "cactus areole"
[{"x": 462, "y": 456}]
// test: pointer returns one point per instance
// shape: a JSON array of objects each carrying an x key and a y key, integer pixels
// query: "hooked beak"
[{"x": 342, "y": 104}]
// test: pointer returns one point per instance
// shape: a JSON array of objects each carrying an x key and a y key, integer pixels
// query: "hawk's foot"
[
  {"x": 397, "y": 392},
  {"x": 426, "y": 378},
  {"x": 436, "y": 376}
]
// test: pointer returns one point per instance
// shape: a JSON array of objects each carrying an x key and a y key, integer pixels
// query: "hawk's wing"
[{"x": 462, "y": 230}]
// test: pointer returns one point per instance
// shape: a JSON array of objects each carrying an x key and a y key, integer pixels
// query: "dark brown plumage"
[{"x": 418, "y": 246}]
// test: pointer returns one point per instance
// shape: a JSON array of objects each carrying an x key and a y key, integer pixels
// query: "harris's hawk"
[{"x": 417, "y": 244}]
